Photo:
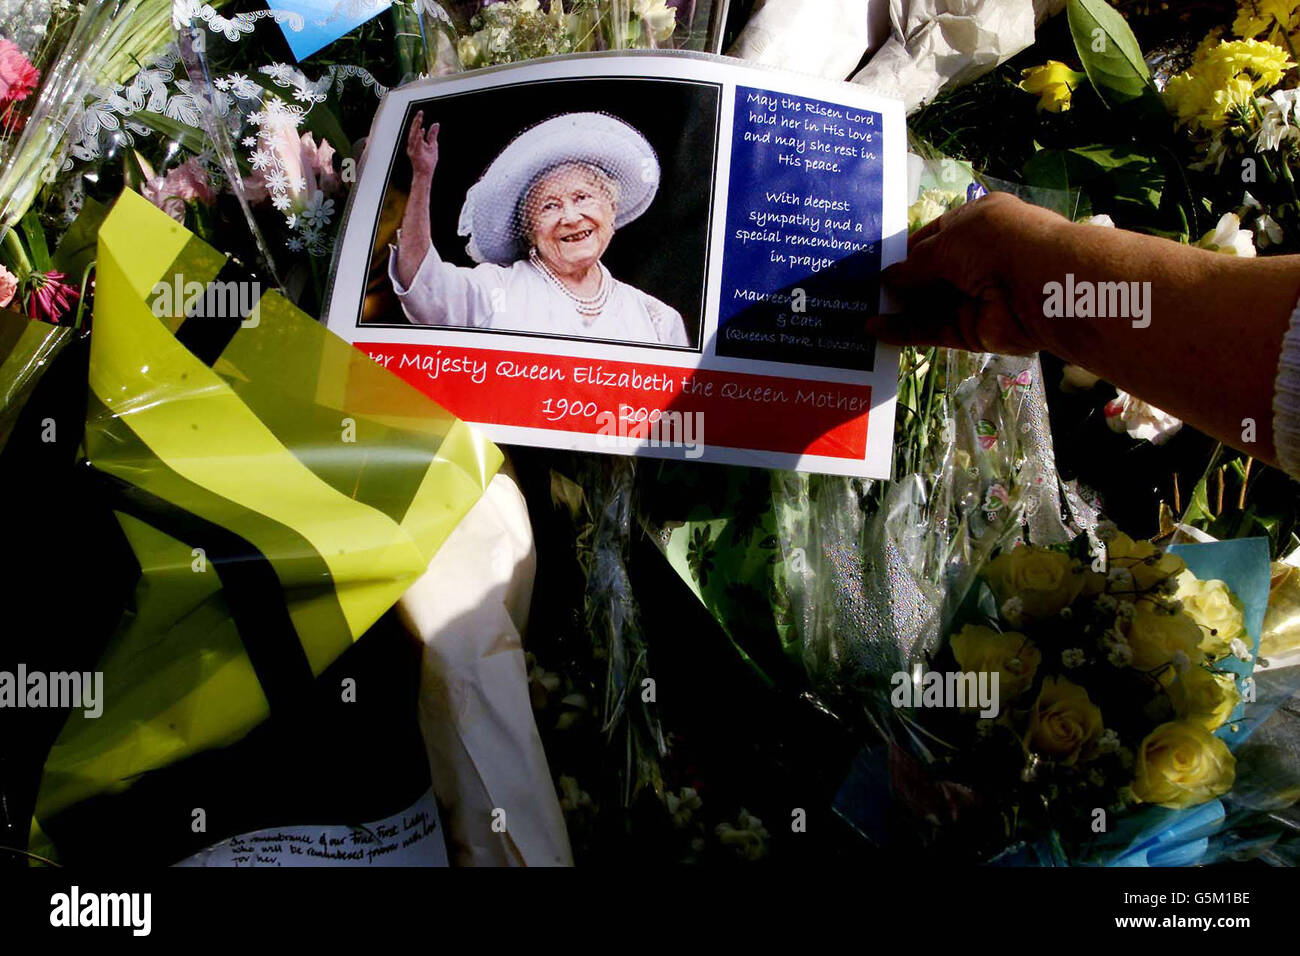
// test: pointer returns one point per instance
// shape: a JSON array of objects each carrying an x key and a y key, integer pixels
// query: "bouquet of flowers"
[
  {"x": 1108, "y": 680},
  {"x": 1085, "y": 708},
  {"x": 523, "y": 29}
]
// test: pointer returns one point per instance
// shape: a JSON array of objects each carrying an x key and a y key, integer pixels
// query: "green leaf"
[
  {"x": 1133, "y": 177},
  {"x": 1117, "y": 179},
  {"x": 1108, "y": 51},
  {"x": 1052, "y": 169},
  {"x": 79, "y": 245},
  {"x": 187, "y": 136},
  {"x": 34, "y": 233},
  {"x": 1198, "y": 509},
  {"x": 566, "y": 493}
]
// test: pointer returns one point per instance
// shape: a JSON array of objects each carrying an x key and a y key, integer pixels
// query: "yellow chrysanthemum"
[
  {"x": 1222, "y": 80},
  {"x": 1274, "y": 17},
  {"x": 1267, "y": 62},
  {"x": 1211, "y": 40}
]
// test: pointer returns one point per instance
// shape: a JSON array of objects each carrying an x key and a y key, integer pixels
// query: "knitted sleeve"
[{"x": 1286, "y": 399}]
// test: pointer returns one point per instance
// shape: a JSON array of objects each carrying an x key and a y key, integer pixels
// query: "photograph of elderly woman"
[{"x": 570, "y": 208}]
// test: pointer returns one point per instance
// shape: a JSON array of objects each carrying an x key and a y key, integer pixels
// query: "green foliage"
[
  {"x": 1108, "y": 51},
  {"x": 1236, "y": 497},
  {"x": 78, "y": 247},
  {"x": 1122, "y": 180}
]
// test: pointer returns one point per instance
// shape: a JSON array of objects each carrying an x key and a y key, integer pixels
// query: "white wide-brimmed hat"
[{"x": 490, "y": 216}]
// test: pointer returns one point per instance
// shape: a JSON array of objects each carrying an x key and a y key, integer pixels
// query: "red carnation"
[{"x": 18, "y": 78}]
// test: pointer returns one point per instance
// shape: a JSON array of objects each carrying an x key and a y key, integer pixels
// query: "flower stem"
[{"x": 16, "y": 254}]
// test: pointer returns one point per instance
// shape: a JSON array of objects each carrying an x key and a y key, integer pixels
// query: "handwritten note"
[
  {"x": 803, "y": 231},
  {"x": 410, "y": 838}
]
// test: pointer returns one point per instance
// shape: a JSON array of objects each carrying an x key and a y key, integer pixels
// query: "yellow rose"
[
  {"x": 1181, "y": 764},
  {"x": 1211, "y": 605},
  {"x": 1063, "y": 722},
  {"x": 1045, "y": 581},
  {"x": 1053, "y": 82},
  {"x": 1147, "y": 563},
  {"x": 1011, "y": 656},
  {"x": 1204, "y": 697},
  {"x": 1156, "y": 635}
]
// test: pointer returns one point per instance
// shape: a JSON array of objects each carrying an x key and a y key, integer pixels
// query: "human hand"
[
  {"x": 962, "y": 285},
  {"x": 421, "y": 148}
]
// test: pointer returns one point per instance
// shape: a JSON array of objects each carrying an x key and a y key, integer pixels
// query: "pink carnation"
[
  {"x": 18, "y": 78},
  {"x": 185, "y": 183},
  {"x": 189, "y": 181},
  {"x": 8, "y": 286}
]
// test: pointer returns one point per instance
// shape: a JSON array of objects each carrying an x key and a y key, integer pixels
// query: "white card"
[{"x": 654, "y": 253}]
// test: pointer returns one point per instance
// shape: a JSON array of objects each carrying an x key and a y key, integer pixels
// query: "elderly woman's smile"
[{"x": 569, "y": 214}]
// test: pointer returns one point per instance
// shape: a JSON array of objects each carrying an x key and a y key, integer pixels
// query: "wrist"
[{"x": 1038, "y": 256}]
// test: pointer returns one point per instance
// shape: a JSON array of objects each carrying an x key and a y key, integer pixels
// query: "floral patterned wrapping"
[{"x": 287, "y": 136}]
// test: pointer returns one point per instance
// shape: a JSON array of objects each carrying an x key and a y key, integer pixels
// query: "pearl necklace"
[{"x": 588, "y": 306}]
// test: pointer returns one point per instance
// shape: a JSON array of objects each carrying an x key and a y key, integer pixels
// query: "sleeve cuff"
[
  {"x": 1286, "y": 399},
  {"x": 403, "y": 290}
]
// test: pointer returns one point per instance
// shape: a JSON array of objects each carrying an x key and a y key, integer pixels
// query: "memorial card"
[{"x": 653, "y": 253}]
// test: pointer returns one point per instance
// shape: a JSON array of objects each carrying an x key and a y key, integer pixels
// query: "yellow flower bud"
[
  {"x": 1147, "y": 563},
  {"x": 1053, "y": 82}
]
